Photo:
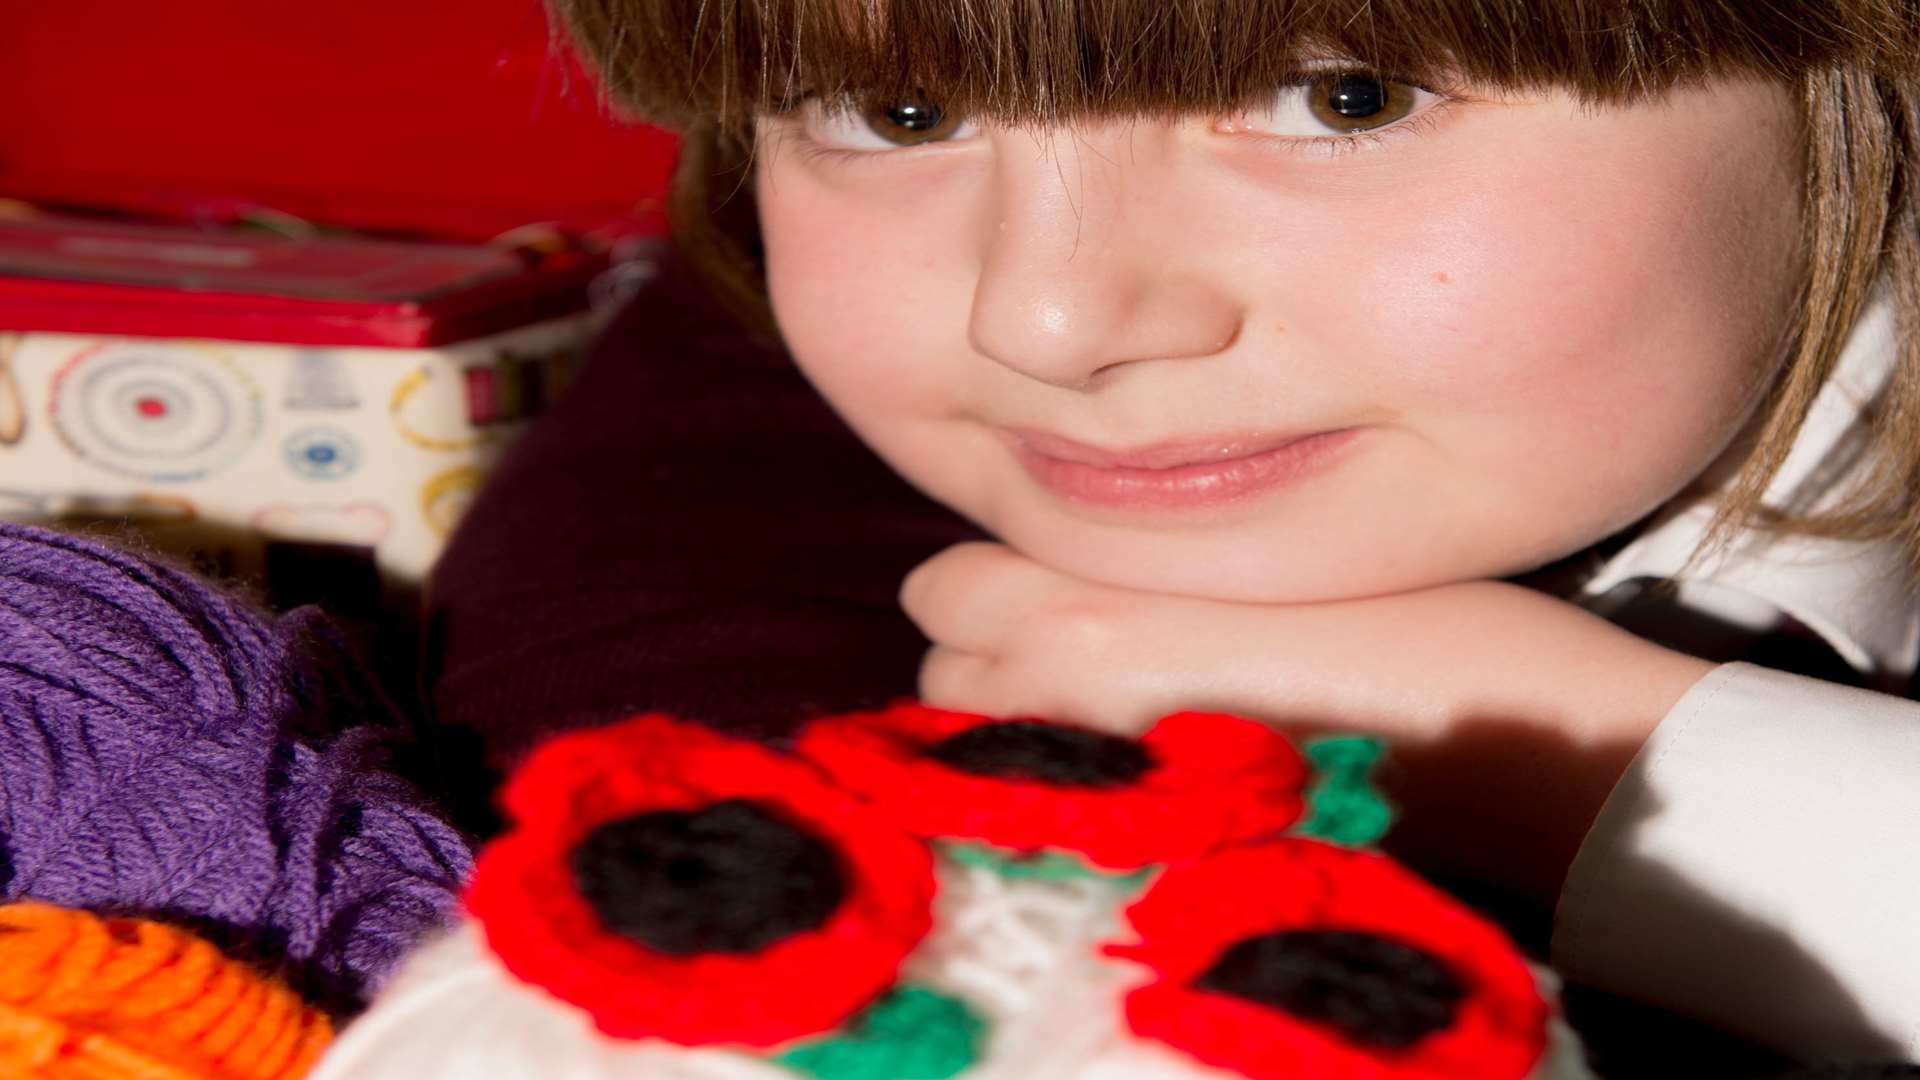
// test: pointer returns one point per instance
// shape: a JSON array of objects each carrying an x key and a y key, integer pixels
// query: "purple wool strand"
[{"x": 166, "y": 750}]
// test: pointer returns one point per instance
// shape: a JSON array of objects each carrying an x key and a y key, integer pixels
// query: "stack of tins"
[{"x": 189, "y": 339}]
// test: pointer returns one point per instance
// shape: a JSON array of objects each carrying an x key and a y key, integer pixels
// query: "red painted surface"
[
  {"x": 436, "y": 119},
  {"x": 446, "y": 117}
]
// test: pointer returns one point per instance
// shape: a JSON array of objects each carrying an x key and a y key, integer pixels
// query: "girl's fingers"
[
  {"x": 962, "y": 681},
  {"x": 970, "y": 596},
  {"x": 970, "y": 682}
]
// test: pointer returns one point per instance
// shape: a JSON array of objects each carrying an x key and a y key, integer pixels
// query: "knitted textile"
[
  {"x": 166, "y": 751},
  {"x": 86, "y": 998},
  {"x": 1262, "y": 951}
]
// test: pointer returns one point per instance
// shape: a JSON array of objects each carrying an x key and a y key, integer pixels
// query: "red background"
[{"x": 445, "y": 117}]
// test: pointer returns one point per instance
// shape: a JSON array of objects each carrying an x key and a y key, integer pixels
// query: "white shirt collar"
[{"x": 1852, "y": 594}]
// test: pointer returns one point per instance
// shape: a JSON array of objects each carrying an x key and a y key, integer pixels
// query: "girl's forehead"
[{"x": 701, "y": 61}]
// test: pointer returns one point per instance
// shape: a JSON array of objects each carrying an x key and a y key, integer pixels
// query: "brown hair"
[{"x": 709, "y": 67}]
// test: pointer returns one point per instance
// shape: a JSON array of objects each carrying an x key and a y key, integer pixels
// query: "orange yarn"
[{"x": 90, "y": 998}]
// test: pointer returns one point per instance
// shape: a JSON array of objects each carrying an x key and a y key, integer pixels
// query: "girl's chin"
[
  {"x": 1277, "y": 568},
  {"x": 1247, "y": 571}
]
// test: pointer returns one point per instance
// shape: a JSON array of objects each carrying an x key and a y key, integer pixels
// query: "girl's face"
[{"x": 1254, "y": 358}]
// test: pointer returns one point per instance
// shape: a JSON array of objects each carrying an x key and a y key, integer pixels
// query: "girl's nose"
[{"x": 1084, "y": 269}]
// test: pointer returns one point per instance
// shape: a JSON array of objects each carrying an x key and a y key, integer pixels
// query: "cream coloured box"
[{"x": 229, "y": 448}]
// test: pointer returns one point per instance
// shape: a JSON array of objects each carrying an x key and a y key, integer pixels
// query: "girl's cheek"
[
  {"x": 1552, "y": 256},
  {"x": 863, "y": 292},
  {"x": 1586, "y": 281}
]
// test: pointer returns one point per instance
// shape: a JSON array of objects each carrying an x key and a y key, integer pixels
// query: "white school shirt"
[{"x": 1758, "y": 867}]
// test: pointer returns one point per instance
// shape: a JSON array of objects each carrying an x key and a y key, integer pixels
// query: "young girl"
[{"x": 1341, "y": 364}]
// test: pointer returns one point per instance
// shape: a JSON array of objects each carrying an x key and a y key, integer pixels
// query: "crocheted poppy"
[
  {"x": 1193, "y": 783},
  {"x": 679, "y": 884},
  {"x": 1301, "y": 958}
]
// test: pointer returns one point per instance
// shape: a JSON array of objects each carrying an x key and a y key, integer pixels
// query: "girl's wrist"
[{"x": 1507, "y": 793}]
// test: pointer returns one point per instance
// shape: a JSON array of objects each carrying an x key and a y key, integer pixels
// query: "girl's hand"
[{"x": 1511, "y": 712}]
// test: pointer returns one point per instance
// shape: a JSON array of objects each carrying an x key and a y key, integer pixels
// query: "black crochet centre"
[
  {"x": 727, "y": 878},
  {"x": 1044, "y": 753},
  {"x": 1375, "y": 991}
]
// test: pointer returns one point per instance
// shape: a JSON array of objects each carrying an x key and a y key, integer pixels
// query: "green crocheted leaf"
[
  {"x": 1343, "y": 805},
  {"x": 913, "y": 1033},
  {"x": 1048, "y": 865}
]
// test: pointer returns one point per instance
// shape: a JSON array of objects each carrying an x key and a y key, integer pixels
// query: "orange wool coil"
[{"x": 84, "y": 997}]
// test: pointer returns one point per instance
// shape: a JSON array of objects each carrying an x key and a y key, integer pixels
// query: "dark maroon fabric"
[{"x": 692, "y": 529}]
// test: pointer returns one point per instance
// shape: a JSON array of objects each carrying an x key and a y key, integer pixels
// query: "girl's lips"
[{"x": 1173, "y": 475}]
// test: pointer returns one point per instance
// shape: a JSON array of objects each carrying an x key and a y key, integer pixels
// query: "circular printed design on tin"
[
  {"x": 444, "y": 497},
  {"x": 322, "y": 453},
  {"x": 157, "y": 413},
  {"x": 431, "y": 409}
]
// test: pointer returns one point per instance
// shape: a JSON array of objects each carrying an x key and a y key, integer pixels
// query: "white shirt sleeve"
[{"x": 1759, "y": 868}]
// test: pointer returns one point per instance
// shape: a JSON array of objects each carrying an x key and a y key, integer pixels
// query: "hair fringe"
[{"x": 685, "y": 62}]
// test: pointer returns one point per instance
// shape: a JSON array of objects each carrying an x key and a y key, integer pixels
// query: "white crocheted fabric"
[{"x": 1022, "y": 953}]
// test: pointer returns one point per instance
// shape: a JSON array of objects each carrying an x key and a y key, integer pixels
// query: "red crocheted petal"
[
  {"x": 1251, "y": 1040},
  {"x": 640, "y": 751},
  {"x": 1217, "y": 780},
  {"x": 1194, "y": 912},
  {"x": 546, "y": 934}
]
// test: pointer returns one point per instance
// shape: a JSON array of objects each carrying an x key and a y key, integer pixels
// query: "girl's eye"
[
  {"x": 1335, "y": 103},
  {"x": 910, "y": 123},
  {"x": 891, "y": 125}
]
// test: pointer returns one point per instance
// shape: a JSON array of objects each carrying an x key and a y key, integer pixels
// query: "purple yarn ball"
[{"x": 168, "y": 751}]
